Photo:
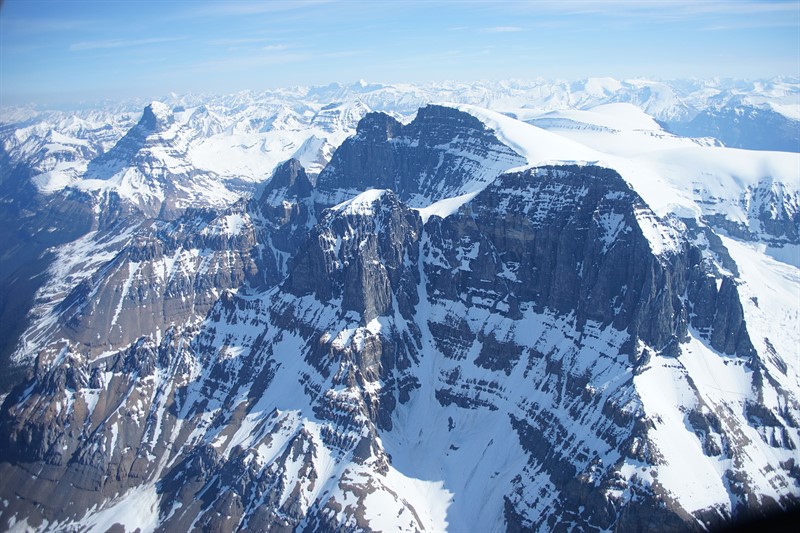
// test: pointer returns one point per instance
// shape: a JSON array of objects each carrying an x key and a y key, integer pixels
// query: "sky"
[{"x": 75, "y": 50}]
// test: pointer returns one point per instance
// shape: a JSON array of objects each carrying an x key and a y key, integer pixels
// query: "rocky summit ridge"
[{"x": 434, "y": 333}]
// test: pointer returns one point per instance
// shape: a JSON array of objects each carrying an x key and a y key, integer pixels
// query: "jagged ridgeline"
[{"x": 463, "y": 322}]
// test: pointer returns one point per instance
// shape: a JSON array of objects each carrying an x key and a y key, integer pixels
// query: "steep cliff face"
[
  {"x": 362, "y": 253},
  {"x": 287, "y": 213},
  {"x": 442, "y": 153},
  {"x": 555, "y": 280},
  {"x": 571, "y": 240},
  {"x": 547, "y": 354}
]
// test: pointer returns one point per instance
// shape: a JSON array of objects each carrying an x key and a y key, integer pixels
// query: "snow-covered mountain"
[
  {"x": 533, "y": 308},
  {"x": 245, "y": 135}
]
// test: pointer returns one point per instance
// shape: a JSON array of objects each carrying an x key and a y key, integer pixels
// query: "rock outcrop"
[{"x": 442, "y": 153}]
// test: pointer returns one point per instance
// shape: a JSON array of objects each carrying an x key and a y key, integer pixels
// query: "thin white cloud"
[
  {"x": 753, "y": 24},
  {"x": 342, "y": 53},
  {"x": 22, "y": 48},
  {"x": 218, "y": 9},
  {"x": 236, "y": 42},
  {"x": 44, "y": 25},
  {"x": 672, "y": 9},
  {"x": 119, "y": 43},
  {"x": 719, "y": 6},
  {"x": 503, "y": 29}
]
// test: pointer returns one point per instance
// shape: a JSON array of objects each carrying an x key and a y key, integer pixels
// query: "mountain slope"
[{"x": 465, "y": 322}]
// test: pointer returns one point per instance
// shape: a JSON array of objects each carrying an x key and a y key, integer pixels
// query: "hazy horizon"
[{"x": 58, "y": 52}]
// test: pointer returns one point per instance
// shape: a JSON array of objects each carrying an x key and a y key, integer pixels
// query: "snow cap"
[{"x": 157, "y": 116}]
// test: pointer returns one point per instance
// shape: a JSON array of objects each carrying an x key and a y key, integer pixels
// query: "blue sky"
[{"x": 72, "y": 50}]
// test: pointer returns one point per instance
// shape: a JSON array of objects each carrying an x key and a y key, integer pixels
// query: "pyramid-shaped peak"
[
  {"x": 157, "y": 116},
  {"x": 291, "y": 177}
]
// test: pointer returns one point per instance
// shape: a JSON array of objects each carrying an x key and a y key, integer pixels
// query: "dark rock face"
[
  {"x": 580, "y": 249},
  {"x": 289, "y": 180},
  {"x": 568, "y": 239},
  {"x": 361, "y": 258},
  {"x": 442, "y": 153},
  {"x": 287, "y": 207},
  {"x": 729, "y": 331}
]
